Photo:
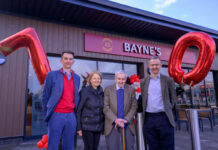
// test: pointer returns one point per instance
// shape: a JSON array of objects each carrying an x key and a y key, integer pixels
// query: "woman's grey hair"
[{"x": 120, "y": 72}]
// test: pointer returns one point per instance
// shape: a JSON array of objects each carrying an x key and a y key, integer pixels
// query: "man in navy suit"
[{"x": 60, "y": 99}]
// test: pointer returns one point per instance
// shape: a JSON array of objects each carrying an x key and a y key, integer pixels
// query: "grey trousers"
[{"x": 114, "y": 140}]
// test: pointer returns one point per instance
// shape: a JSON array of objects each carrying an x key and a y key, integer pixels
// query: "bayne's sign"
[
  {"x": 141, "y": 49},
  {"x": 122, "y": 47}
]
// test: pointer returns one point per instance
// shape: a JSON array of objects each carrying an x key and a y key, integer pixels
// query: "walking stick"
[{"x": 124, "y": 144}]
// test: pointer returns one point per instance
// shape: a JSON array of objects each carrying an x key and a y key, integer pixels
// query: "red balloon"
[
  {"x": 46, "y": 146},
  {"x": 45, "y": 139},
  {"x": 134, "y": 78},
  {"x": 28, "y": 38},
  {"x": 40, "y": 144},
  {"x": 206, "y": 46}
]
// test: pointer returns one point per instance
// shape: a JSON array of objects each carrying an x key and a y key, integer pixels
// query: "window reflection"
[
  {"x": 35, "y": 124},
  {"x": 210, "y": 91},
  {"x": 130, "y": 69},
  {"x": 107, "y": 82},
  {"x": 164, "y": 71},
  {"x": 83, "y": 68},
  {"x": 109, "y": 67},
  {"x": 201, "y": 94},
  {"x": 199, "y": 97}
]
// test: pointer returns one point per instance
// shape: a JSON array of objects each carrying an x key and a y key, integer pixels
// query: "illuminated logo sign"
[
  {"x": 2, "y": 59},
  {"x": 141, "y": 49},
  {"x": 107, "y": 44}
]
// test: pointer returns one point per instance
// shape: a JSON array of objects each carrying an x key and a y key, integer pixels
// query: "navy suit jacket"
[{"x": 52, "y": 92}]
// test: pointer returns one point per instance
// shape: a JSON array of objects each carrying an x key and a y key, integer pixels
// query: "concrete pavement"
[{"x": 209, "y": 141}]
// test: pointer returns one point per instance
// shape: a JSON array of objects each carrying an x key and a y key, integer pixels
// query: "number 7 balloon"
[{"x": 28, "y": 38}]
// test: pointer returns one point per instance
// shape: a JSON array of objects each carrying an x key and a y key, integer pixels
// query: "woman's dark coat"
[{"x": 90, "y": 110}]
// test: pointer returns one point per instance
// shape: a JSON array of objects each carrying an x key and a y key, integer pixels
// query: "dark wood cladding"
[
  {"x": 12, "y": 83},
  {"x": 13, "y": 74}
]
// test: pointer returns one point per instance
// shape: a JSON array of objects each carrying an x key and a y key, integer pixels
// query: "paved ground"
[{"x": 209, "y": 141}]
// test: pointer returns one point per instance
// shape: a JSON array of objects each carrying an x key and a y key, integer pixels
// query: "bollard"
[
  {"x": 139, "y": 132},
  {"x": 194, "y": 128}
]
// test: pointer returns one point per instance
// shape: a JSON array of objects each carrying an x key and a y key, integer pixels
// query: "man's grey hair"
[
  {"x": 120, "y": 72},
  {"x": 155, "y": 57}
]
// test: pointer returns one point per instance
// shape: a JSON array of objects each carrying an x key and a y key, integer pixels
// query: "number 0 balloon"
[{"x": 206, "y": 46}]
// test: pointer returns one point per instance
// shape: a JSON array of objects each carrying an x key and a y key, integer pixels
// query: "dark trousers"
[
  {"x": 91, "y": 139},
  {"x": 61, "y": 125},
  {"x": 158, "y": 131},
  {"x": 115, "y": 138}
]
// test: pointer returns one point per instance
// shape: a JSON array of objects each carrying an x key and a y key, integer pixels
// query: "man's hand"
[
  {"x": 80, "y": 132},
  {"x": 120, "y": 122}
]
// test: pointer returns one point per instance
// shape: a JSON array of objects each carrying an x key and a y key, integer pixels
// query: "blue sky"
[{"x": 199, "y": 12}]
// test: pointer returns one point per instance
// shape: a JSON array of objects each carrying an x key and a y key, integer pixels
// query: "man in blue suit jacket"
[{"x": 60, "y": 99}]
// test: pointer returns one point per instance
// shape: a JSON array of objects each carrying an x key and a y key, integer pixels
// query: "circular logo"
[{"x": 107, "y": 44}]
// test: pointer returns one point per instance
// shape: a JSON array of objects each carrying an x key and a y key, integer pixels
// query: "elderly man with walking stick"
[{"x": 119, "y": 108}]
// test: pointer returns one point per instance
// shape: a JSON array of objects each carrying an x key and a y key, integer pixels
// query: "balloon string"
[
  {"x": 182, "y": 83},
  {"x": 191, "y": 84}
]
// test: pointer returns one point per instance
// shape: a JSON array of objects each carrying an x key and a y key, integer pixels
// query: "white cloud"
[
  {"x": 159, "y": 12},
  {"x": 158, "y": 0},
  {"x": 184, "y": 16},
  {"x": 168, "y": 3},
  {"x": 159, "y": 5}
]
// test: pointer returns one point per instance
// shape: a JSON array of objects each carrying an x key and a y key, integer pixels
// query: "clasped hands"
[{"x": 120, "y": 122}]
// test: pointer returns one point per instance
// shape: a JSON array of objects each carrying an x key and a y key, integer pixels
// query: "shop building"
[{"x": 104, "y": 36}]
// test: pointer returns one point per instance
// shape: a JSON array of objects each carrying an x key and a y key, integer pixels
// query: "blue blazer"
[{"x": 52, "y": 92}]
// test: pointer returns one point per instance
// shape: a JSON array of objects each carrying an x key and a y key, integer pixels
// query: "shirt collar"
[
  {"x": 71, "y": 71},
  {"x": 117, "y": 87},
  {"x": 158, "y": 76}
]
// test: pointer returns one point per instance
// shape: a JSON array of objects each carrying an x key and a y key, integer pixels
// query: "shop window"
[
  {"x": 164, "y": 71},
  {"x": 107, "y": 82},
  {"x": 198, "y": 96},
  {"x": 204, "y": 92},
  {"x": 210, "y": 91},
  {"x": 109, "y": 67},
  {"x": 130, "y": 69},
  {"x": 35, "y": 124},
  {"x": 185, "y": 98}
]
